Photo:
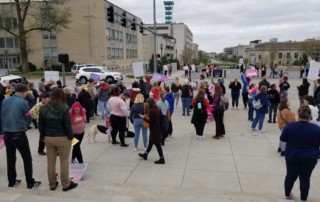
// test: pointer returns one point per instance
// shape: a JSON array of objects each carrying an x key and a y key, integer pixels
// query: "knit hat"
[{"x": 21, "y": 88}]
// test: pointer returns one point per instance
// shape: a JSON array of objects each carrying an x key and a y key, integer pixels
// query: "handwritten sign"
[
  {"x": 95, "y": 77},
  {"x": 314, "y": 70},
  {"x": 156, "y": 76},
  {"x": 251, "y": 72}
]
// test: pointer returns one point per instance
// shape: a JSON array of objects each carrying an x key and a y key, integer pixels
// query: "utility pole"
[{"x": 155, "y": 37}]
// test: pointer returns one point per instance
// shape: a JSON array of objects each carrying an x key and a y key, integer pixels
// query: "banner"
[
  {"x": 251, "y": 73},
  {"x": 159, "y": 77},
  {"x": 95, "y": 77},
  {"x": 51, "y": 75},
  {"x": 314, "y": 70}
]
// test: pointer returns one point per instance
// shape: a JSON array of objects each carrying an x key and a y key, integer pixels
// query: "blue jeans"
[
  {"x": 259, "y": 118},
  {"x": 103, "y": 107},
  {"x": 251, "y": 110},
  {"x": 138, "y": 124},
  {"x": 285, "y": 94},
  {"x": 185, "y": 104}
]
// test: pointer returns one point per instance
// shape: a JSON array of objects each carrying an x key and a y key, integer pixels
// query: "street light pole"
[
  {"x": 161, "y": 47},
  {"x": 155, "y": 37}
]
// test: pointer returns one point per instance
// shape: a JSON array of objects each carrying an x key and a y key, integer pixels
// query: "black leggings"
[
  {"x": 158, "y": 148},
  {"x": 76, "y": 151},
  {"x": 199, "y": 128},
  {"x": 118, "y": 124},
  {"x": 245, "y": 99}
]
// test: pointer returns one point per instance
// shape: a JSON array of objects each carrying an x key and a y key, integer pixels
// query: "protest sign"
[
  {"x": 314, "y": 70},
  {"x": 51, "y": 75},
  {"x": 251, "y": 72},
  {"x": 137, "y": 68},
  {"x": 95, "y": 77}
]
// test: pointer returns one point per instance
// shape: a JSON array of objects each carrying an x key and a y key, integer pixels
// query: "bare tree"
[
  {"x": 272, "y": 48},
  {"x": 186, "y": 55},
  {"x": 311, "y": 48},
  {"x": 33, "y": 16}
]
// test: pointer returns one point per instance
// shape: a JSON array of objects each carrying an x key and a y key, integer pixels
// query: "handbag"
[
  {"x": 108, "y": 122},
  {"x": 145, "y": 116}
]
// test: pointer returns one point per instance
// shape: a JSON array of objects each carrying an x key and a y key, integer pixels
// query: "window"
[
  {"x": 280, "y": 55},
  {"x": 259, "y": 56},
  {"x": 53, "y": 35},
  {"x": 16, "y": 43},
  {"x": 296, "y": 55},
  {"x": 10, "y": 42},
  {"x": 45, "y": 35},
  {"x": 288, "y": 55},
  {"x": 2, "y": 43}
]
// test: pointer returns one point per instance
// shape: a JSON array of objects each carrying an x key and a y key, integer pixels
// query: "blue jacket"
[
  {"x": 245, "y": 84},
  {"x": 169, "y": 97},
  {"x": 303, "y": 141},
  {"x": 15, "y": 114},
  {"x": 264, "y": 101}
]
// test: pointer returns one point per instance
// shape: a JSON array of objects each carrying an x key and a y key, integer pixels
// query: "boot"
[
  {"x": 160, "y": 161},
  {"x": 144, "y": 155}
]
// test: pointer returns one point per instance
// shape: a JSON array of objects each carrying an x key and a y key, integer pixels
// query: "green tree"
[
  {"x": 311, "y": 48},
  {"x": 186, "y": 55},
  {"x": 33, "y": 16}
]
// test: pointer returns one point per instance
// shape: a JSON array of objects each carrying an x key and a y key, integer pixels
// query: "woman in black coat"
[
  {"x": 235, "y": 87},
  {"x": 155, "y": 130},
  {"x": 303, "y": 89},
  {"x": 84, "y": 98}
]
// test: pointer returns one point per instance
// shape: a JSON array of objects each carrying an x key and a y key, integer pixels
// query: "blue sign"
[{"x": 95, "y": 77}]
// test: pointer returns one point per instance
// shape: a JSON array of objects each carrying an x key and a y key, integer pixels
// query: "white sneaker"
[
  {"x": 202, "y": 137},
  {"x": 198, "y": 137},
  {"x": 252, "y": 129},
  {"x": 145, "y": 149},
  {"x": 135, "y": 149},
  {"x": 262, "y": 130}
]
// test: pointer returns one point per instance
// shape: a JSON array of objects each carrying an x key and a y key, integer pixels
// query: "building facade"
[{"x": 91, "y": 38}]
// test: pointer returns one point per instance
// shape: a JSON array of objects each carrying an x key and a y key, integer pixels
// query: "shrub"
[{"x": 32, "y": 67}]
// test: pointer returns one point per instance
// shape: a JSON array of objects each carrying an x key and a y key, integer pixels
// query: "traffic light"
[
  {"x": 141, "y": 28},
  {"x": 124, "y": 19},
  {"x": 133, "y": 24},
  {"x": 110, "y": 14}
]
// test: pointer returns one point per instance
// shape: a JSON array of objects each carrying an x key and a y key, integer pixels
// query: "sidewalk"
[{"x": 241, "y": 167}]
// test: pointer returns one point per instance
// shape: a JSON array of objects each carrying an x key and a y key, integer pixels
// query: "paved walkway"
[{"x": 241, "y": 167}]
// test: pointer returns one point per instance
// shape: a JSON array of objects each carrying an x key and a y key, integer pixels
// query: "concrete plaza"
[{"x": 240, "y": 167}]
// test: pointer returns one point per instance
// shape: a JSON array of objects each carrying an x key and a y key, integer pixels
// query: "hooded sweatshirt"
[{"x": 54, "y": 121}]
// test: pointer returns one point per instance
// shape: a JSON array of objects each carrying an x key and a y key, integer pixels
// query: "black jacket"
[
  {"x": 235, "y": 88},
  {"x": 71, "y": 98},
  {"x": 84, "y": 98},
  {"x": 273, "y": 97},
  {"x": 303, "y": 89},
  {"x": 54, "y": 121},
  {"x": 264, "y": 83}
]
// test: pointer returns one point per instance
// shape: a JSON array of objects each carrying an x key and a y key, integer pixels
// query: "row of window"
[
  {"x": 117, "y": 35},
  {"x": 50, "y": 52},
  {"x": 13, "y": 62},
  {"x": 9, "y": 23},
  {"x": 49, "y": 35},
  {"x": 9, "y": 42},
  {"x": 117, "y": 53},
  {"x": 288, "y": 55}
]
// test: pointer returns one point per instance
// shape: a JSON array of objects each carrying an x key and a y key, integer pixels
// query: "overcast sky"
[{"x": 217, "y": 24}]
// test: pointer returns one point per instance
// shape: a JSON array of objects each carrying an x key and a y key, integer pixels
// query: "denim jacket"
[{"x": 15, "y": 114}]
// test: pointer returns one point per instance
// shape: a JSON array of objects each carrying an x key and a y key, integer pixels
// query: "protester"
[
  {"x": 302, "y": 153},
  {"x": 103, "y": 97},
  {"x": 246, "y": 82},
  {"x": 142, "y": 87},
  {"x": 135, "y": 90},
  {"x": 260, "y": 113},
  {"x": 199, "y": 117},
  {"x": 284, "y": 87},
  {"x": 78, "y": 119},
  {"x": 264, "y": 82},
  {"x": 311, "y": 103},
  {"x": 301, "y": 71},
  {"x": 252, "y": 91},
  {"x": 139, "y": 108},
  {"x": 41, "y": 85},
  {"x": 15, "y": 118},
  {"x": 70, "y": 97},
  {"x": 274, "y": 100},
  {"x": 235, "y": 87},
  {"x": 263, "y": 70},
  {"x": 121, "y": 86},
  {"x": 176, "y": 90},
  {"x": 118, "y": 117},
  {"x": 45, "y": 98},
  {"x": 185, "y": 97},
  {"x": 218, "y": 113},
  {"x": 163, "y": 105},
  {"x": 84, "y": 99},
  {"x": 91, "y": 89},
  {"x": 303, "y": 89},
  {"x": 285, "y": 116},
  {"x": 155, "y": 130},
  {"x": 33, "y": 91},
  {"x": 148, "y": 88},
  {"x": 155, "y": 92},
  {"x": 55, "y": 127},
  {"x": 77, "y": 88},
  {"x": 170, "y": 99}
]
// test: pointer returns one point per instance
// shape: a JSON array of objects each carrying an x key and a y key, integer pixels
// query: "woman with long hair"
[
  {"x": 260, "y": 113},
  {"x": 185, "y": 97},
  {"x": 78, "y": 119},
  {"x": 218, "y": 113},
  {"x": 303, "y": 89},
  {"x": 139, "y": 108},
  {"x": 118, "y": 118},
  {"x": 70, "y": 97},
  {"x": 252, "y": 91},
  {"x": 164, "y": 106},
  {"x": 285, "y": 116},
  {"x": 55, "y": 127},
  {"x": 199, "y": 118},
  {"x": 175, "y": 89},
  {"x": 155, "y": 130},
  {"x": 302, "y": 153}
]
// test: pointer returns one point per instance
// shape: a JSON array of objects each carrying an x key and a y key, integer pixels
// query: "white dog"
[{"x": 94, "y": 131}]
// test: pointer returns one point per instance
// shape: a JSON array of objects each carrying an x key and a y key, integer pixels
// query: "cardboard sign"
[
  {"x": 251, "y": 72},
  {"x": 137, "y": 68},
  {"x": 95, "y": 77},
  {"x": 51, "y": 75},
  {"x": 314, "y": 70}
]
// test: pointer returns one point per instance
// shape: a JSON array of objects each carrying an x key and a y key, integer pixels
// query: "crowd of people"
[{"x": 62, "y": 112}]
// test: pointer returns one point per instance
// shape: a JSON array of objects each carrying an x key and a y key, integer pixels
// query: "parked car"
[
  {"x": 77, "y": 67},
  {"x": 4, "y": 77},
  {"x": 85, "y": 73}
]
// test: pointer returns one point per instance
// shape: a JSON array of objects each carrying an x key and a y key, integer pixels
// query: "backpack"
[
  {"x": 199, "y": 105},
  {"x": 257, "y": 104},
  {"x": 224, "y": 103}
]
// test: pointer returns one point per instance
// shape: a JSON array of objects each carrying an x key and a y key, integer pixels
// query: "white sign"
[
  {"x": 137, "y": 68},
  {"x": 241, "y": 61},
  {"x": 51, "y": 75},
  {"x": 314, "y": 70}
]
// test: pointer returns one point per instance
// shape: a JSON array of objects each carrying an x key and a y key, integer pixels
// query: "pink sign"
[
  {"x": 251, "y": 72},
  {"x": 164, "y": 78}
]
